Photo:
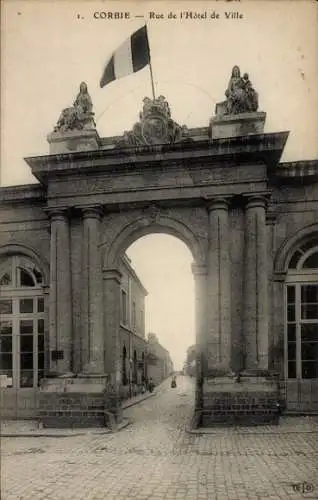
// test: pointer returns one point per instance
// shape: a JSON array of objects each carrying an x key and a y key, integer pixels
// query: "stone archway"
[
  {"x": 144, "y": 224},
  {"x": 141, "y": 223}
]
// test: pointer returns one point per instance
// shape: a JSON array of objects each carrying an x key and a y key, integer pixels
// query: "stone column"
[
  {"x": 60, "y": 309},
  {"x": 219, "y": 287},
  {"x": 255, "y": 324},
  {"x": 92, "y": 305},
  {"x": 200, "y": 282}
]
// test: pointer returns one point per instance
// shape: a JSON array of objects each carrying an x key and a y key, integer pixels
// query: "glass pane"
[
  {"x": 309, "y": 332},
  {"x": 41, "y": 343},
  {"x": 6, "y": 344},
  {"x": 38, "y": 275},
  {"x": 291, "y": 313},
  {"x": 5, "y": 361},
  {"x": 309, "y": 244},
  {"x": 6, "y": 279},
  {"x": 291, "y": 294},
  {"x": 5, "y": 306},
  {"x": 309, "y": 294},
  {"x": 5, "y": 328},
  {"x": 26, "y": 378},
  {"x": 309, "y": 351},
  {"x": 294, "y": 260},
  {"x": 291, "y": 332},
  {"x": 292, "y": 369},
  {"x": 26, "y": 326},
  {"x": 6, "y": 378},
  {"x": 41, "y": 326},
  {"x": 311, "y": 262},
  {"x": 26, "y": 361},
  {"x": 40, "y": 305},
  {"x": 26, "y": 305},
  {"x": 26, "y": 279},
  {"x": 41, "y": 361},
  {"x": 309, "y": 311},
  {"x": 310, "y": 369},
  {"x": 40, "y": 376},
  {"x": 291, "y": 350},
  {"x": 26, "y": 343}
]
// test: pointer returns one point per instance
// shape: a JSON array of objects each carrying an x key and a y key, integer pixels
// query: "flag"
[{"x": 131, "y": 56}]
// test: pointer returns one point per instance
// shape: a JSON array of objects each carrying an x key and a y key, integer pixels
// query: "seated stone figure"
[
  {"x": 241, "y": 97},
  {"x": 80, "y": 115}
]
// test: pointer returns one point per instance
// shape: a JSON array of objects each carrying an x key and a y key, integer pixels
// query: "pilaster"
[
  {"x": 60, "y": 309},
  {"x": 255, "y": 324},
  {"x": 219, "y": 287},
  {"x": 92, "y": 295}
]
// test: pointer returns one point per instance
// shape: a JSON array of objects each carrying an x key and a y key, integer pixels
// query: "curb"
[
  {"x": 128, "y": 404},
  {"x": 94, "y": 431}
]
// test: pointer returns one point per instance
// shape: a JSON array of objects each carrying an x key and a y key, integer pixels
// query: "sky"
[
  {"x": 167, "y": 277},
  {"x": 49, "y": 47}
]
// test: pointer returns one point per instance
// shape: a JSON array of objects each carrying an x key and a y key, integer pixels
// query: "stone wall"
[
  {"x": 67, "y": 410},
  {"x": 253, "y": 401}
]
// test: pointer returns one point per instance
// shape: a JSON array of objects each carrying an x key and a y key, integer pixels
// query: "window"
[
  {"x": 21, "y": 323},
  {"x": 124, "y": 367},
  {"x": 302, "y": 313},
  {"x": 124, "y": 307},
  {"x": 135, "y": 369},
  {"x": 6, "y": 365},
  {"x": 18, "y": 271},
  {"x": 134, "y": 315}
]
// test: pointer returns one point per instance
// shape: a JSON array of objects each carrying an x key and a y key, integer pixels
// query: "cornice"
[
  {"x": 23, "y": 193},
  {"x": 265, "y": 148}
]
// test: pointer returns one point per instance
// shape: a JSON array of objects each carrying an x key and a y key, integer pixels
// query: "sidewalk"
[{"x": 32, "y": 428}]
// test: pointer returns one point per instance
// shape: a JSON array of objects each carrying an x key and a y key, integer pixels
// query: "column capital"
[
  {"x": 218, "y": 203},
  {"x": 92, "y": 212},
  {"x": 112, "y": 274},
  {"x": 57, "y": 213},
  {"x": 199, "y": 269},
  {"x": 257, "y": 200}
]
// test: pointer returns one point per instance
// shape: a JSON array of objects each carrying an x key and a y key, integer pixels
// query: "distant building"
[
  {"x": 190, "y": 363},
  {"x": 159, "y": 364}
]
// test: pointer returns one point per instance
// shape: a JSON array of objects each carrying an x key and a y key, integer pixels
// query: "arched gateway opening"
[{"x": 163, "y": 265}]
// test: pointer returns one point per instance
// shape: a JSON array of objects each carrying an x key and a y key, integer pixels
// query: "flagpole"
[
  {"x": 152, "y": 83},
  {"x": 150, "y": 67}
]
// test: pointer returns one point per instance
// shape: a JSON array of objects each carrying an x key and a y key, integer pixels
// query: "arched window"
[
  {"x": 302, "y": 312},
  {"x": 21, "y": 322}
]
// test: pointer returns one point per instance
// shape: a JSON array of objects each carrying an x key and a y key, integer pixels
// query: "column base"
[
  {"x": 246, "y": 399},
  {"x": 79, "y": 401}
]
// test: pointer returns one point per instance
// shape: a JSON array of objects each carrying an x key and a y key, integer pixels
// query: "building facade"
[
  {"x": 133, "y": 344},
  {"x": 249, "y": 220},
  {"x": 159, "y": 364},
  {"x": 190, "y": 363}
]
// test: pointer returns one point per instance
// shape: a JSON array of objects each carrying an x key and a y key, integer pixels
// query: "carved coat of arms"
[{"x": 155, "y": 126}]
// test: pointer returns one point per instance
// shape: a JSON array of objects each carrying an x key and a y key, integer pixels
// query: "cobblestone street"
[{"x": 156, "y": 458}]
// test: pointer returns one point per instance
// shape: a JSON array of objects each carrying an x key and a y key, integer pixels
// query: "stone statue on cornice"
[
  {"x": 78, "y": 117},
  {"x": 240, "y": 94}
]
